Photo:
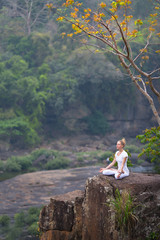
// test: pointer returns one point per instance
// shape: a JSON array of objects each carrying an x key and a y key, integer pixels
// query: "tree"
[
  {"x": 117, "y": 31},
  {"x": 31, "y": 11}
]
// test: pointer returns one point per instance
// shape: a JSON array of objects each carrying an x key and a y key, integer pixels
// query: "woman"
[{"x": 121, "y": 157}]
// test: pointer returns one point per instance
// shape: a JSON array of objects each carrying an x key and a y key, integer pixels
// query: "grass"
[{"x": 124, "y": 212}]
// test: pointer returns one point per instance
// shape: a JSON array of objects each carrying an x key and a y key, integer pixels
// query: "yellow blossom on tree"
[
  {"x": 145, "y": 57},
  {"x": 143, "y": 50},
  {"x": 153, "y": 15},
  {"x": 151, "y": 29},
  {"x": 102, "y": 15},
  {"x": 78, "y": 4},
  {"x": 73, "y": 14},
  {"x": 103, "y": 5},
  {"x": 60, "y": 19},
  {"x": 138, "y": 22},
  {"x": 70, "y": 35},
  {"x": 76, "y": 9}
]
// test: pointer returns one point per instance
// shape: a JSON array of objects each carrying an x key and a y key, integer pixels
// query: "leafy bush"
[
  {"x": 37, "y": 153},
  {"x": 14, "y": 233},
  {"x": 106, "y": 155},
  {"x": 24, "y": 161},
  {"x": 151, "y": 138},
  {"x": 4, "y": 220},
  {"x": 33, "y": 229},
  {"x": 1, "y": 165},
  {"x": 17, "y": 164},
  {"x": 57, "y": 163},
  {"x": 18, "y": 132},
  {"x": 12, "y": 166},
  {"x": 97, "y": 123},
  {"x": 19, "y": 219},
  {"x": 134, "y": 148},
  {"x": 25, "y": 223},
  {"x": 32, "y": 215}
]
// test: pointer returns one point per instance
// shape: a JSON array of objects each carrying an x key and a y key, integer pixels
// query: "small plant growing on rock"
[{"x": 124, "y": 212}]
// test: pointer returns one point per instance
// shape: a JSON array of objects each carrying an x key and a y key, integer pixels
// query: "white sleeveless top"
[{"x": 119, "y": 160}]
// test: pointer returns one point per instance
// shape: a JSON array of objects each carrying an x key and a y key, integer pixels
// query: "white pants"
[{"x": 115, "y": 173}]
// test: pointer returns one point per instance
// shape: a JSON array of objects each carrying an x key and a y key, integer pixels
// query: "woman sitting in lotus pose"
[{"x": 121, "y": 157}]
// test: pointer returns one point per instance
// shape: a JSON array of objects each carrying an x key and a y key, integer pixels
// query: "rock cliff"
[{"x": 89, "y": 215}]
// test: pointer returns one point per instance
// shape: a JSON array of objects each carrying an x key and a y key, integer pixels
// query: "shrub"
[
  {"x": 133, "y": 148},
  {"x": 57, "y": 163},
  {"x": 24, "y": 161},
  {"x": 33, "y": 229},
  {"x": 17, "y": 164},
  {"x": 151, "y": 138},
  {"x": 37, "y": 153},
  {"x": 32, "y": 216},
  {"x": 12, "y": 166},
  {"x": 19, "y": 219},
  {"x": 106, "y": 155},
  {"x": 14, "y": 233},
  {"x": 4, "y": 220},
  {"x": 1, "y": 165},
  {"x": 18, "y": 132}
]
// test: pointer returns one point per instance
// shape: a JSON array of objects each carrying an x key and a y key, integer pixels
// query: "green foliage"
[
  {"x": 151, "y": 139},
  {"x": 33, "y": 48},
  {"x": 97, "y": 123},
  {"x": 42, "y": 151},
  {"x": 19, "y": 219},
  {"x": 124, "y": 211},
  {"x": 153, "y": 236},
  {"x": 133, "y": 148},
  {"x": 4, "y": 220},
  {"x": 25, "y": 223},
  {"x": 42, "y": 75},
  {"x": 18, "y": 132},
  {"x": 14, "y": 233},
  {"x": 106, "y": 155},
  {"x": 1, "y": 165},
  {"x": 53, "y": 160},
  {"x": 57, "y": 163},
  {"x": 12, "y": 166},
  {"x": 33, "y": 229},
  {"x": 18, "y": 164}
]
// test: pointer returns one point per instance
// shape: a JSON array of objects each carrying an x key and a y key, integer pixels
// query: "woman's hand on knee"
[{"x": 102, "y": 169}]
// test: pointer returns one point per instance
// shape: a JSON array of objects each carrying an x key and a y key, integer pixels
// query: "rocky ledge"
[{"x": 89, "y": 215}]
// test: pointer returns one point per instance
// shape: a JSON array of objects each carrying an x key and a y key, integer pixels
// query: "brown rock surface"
[
  {"x": 92, "y": 219},
  {"x": 36, "y": 189}
]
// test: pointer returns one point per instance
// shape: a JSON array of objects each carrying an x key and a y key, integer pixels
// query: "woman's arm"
[
  {"x": 121, "y": 170},
  {"x": 110, "y": 165}
]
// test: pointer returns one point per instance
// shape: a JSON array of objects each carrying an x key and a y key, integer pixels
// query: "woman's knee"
[
  {"x": 108, "y": 172},
  {"x": 121, "y": 176}
]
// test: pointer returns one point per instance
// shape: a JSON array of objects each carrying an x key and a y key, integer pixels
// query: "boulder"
[{"x": 89, "y": 215}]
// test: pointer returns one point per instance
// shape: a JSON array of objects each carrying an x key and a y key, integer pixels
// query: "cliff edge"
[{"x": 89, "y": 215}]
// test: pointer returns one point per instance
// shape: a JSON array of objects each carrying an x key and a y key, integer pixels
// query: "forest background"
[
  {"x": 51, "y": 85},
  {"x": 44, "y": 75}
]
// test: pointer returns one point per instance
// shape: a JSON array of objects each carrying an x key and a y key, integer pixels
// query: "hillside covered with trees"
[{"x": 44, "y": 74}]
